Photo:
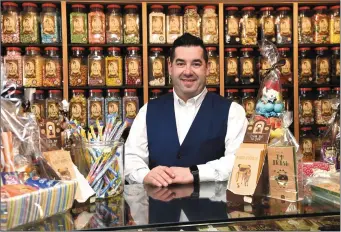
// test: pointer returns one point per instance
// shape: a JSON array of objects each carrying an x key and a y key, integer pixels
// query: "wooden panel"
[
  {"x": 145, "y": 51},
  {"x": 65, "y": 51},
  {"x": 295, "y": 59},
  {"x": 221, "y": 48}
]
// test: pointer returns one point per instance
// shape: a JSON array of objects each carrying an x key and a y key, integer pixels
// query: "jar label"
[
  {"x": 52, "y": 110},
  {"x": 232, "y": 66},
  {"x": 192, "y": 23},
  {"x": 335, "y": 25},
  {"x": 158, "y": 69},
  {"x": 306, "y": 67},
  {"x": 75, "y": 67},
  {"x": 250, "y": 26},
  {"x": 113, "y": 68},
  {"x": 286, "y": 68},
  {"x": 321, "y": 24},
  {"x": 51, "y": 67},
  {"x": 323, "y": 111},
  {"x": 285, "y": 26},
  {"x": 306, "y": 26},
  {"x": 115, "y": 25},
  {"x": 96, "y": 110},
  {"x": 78, "y": 111},
  {"x": 78, "y": 24},
  {"x": 28, "y": 24},
  {"x": 247, "y": 67},
  {"x": 95, "y": 69},
  {"x": 307, "y": 108},
  {"x": 38, "y": 110},
  {"x": 307, "y": 149},
  {"x": 12, "y": 69},
  {"x": 174, "y": 24},
  {"x": 322, "y": 66},
  {"x": 210, "y": 25},
  {"x": 49, "y": 24},
  {"x": 96, "y": 22},
  {"x": 157, "y": 25},
  {"x": 134, "y": 68},
  {"x": 265, "y": 65},
  {"x": 9, "y": 23},
  {"x": 233, "y": 26},
  {"x": 131, "y": 24},
  {"x": 113, "y": 107},
  {"x": 30, "y": 68},
  {"x": 249, "y": 106},
  {"x": 130, "y": 109},
  {"x": 268, "y": 26}
]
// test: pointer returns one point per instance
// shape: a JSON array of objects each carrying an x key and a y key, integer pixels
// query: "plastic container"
[
  {"x": 78, "y": 24},
  {"x": 247, "y": 67},
  {"x": 133, "y": 70},
  {"x": 96, "y": 24},
  {"x": 334, "y": 29},
  {"x": 210, "y": 32},
  {"x": 283, "y": 25},
  {"x": 52, "y": 70},
  {"x": 113, "y": 67},
  {"x": 321, "y": 25},
  {"x": 249, "y": 102},
  {"x": 305, "y": 25},
  {"x": 157, "y": 25},
  {"x": 114, "y": 24},
  {"x": 78, "y": 67},
  {"x": 249, "y": 27},
  {"x": 131, "y": 25},
  {"x": 192, "y": 21},
  {"x": 286, "y": 69},
  {"x": 10, "y": 23},
  {"x": 231, "y": 64},
  {"x": 33, "y": 67},
  {"x": 323, "y": 65},
  {"x": 78, "y": 107},
  {"x": 307, "y": 144},
  {"x": 38, "y": 105},
  {"x": 113, "y": 104},
  {"x": 213, "y": 65},
  {"x": 267, "y": 24},
  {"x": 306, "y": 110},
  {"x": 232, "y": 19},
  {"x": 96, "y": 70},
  {"x": 53, "y": 103},
  {"x": 130, "y": 105},
  {"x": 335, "y": 77},
  {"x": 174, "y": 23},
  {"x": 157, "y": 67},
  {"x": 95, "y": 108},
  {"x": 13, "y": 66},
  {"x": 155, "y": 93},
  {"x": 233, "y": 95},
  {"x": 29, "y": 23},
  {"x": 306, "y": 66},
  {"x": 50, "y": 24},
  {"x": 323, "y": 107}
]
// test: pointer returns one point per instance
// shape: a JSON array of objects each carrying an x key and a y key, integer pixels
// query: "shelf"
[
  {"x": 171, "y": 45},
  {"x": 242, "y": 87},
  {"x": 160, "y": 87},
  {"x": 30, "y": 45},
  {"x": 318, "y": 45},
  {"x": 105, "y": 87},
  {"x": 103, "y": 45},
  {"x": 318, "y": 85},
  {"x": 40, "y": 88},
  {"x": 255, "y": 46}
]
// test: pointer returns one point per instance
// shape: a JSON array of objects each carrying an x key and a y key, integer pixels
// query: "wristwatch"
[{"x": 195, "y": 172}]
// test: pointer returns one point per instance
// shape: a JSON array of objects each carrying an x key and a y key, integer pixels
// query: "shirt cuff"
[
  {"x": 138, "y": 176},
  {"x": 206, "y": 173}
]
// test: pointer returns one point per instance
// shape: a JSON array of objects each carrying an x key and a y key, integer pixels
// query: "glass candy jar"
[
  {"x": 133, "y": 63},
  {"x": 283, "y": 25},
  {"x": 323, "y": 107},
  {"x": 286, "y": 69},
  {"x": 213, "y": 66},
  {"x": 156, "y": 93},
  {"x": 10, "y": 23},
  {"x": 78, "y": 67},
  {"x": 174, "y": 23},
  {"x": 157, "y": 67},
  {"x": 287, "y": 101},
  {"x": 96, "y": 24},
  {"x": 267, "y": 24},
  {"x": 247, "y": 67},
  {"x": 249, "y": 102},
  {"x": 233, "y": 95},
  {"x": 232, "y": 33},
  {"x": 38, "y": 105},
  {"x": 33, "y": 67},
  {"x": 334, "y": 25},
  {"x": 96, "y": 70},
  {"x": 131, "y": 25},
  {"x": 210, "y": 25},
  {"x": 322, "y": 62},
  {"x": 78, "y": 24},
  {"x": 50, "y": 24},
  {"x": 249, "y": 26},
  {"x": 320, "y": 138},
  {"x": 130, "y": 105},
  {"x": 231, "y": 64},
  {"x": 52, "y": 70},
  {"x": 78, "y": 107},
  {"x": 306, "y": 110},
  {"x": 29, "y": 23},
  {"x": 157, "y": 25},
  {"x": 113, "y": 67},
  {"x": 321, "y": 25},
  {"x": 305, "y": 25},
  {"x": 13, "y": 66},
  {"x": 305, "y": 67},
  {"x": 114, "y": 24},
  {"x": 95, "y": 108},
  {"x": 307, "y": 144},
  {"x": 335, "y": 77},
  {"x": 113, "y": 104},
  {"x": 192, "y": 21},
  {"x": 53, "y": 103}
]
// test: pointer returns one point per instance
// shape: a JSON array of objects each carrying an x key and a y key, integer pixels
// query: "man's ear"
[{"x": 170, "y": 67}]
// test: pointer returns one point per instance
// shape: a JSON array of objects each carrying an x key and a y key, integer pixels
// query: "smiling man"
[{"x": 189, "y": 135}]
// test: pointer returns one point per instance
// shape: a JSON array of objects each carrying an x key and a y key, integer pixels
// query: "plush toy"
[{"x": 270, "y": 104}]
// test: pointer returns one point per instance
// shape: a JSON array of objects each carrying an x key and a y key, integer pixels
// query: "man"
[{"x": 190, "y": 135}]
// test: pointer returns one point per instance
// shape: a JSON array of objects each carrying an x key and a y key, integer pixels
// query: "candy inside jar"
[
  {"x": 113, "y": 67},
  {"x": 29, "y": 23},
  {"x": 13, "y": 65},
  {"x": 131, "y": 25},
  {"x": 307, "y": 144},
  {"x": 192, "y": 21},
  {"x": 157, "y": 67},
  {"x": 335, "y": 24},
  {"x": 283, "y": 25},
  {"x": 267, "y": 24},
  {"x": 210, "y": 25},
  {"x": 96, "y": 70},
  {"x": 10, "y": 23},
  {"x": 96, "y": 108},
  {"x": 130, "y": 105},
  {"x": 78, "y": 107},
  {"x": 38, "y": 105},
  {"x": 78, "y": 24},
  {"x": 213, "y": 66},
  {"x": 96, "y": 21},
  {"x": 174, "y": 21},
  {"x": 305, "y": 67},
  {"x": 50, "y": 24},
  {"x": 249, "y": 27},
  {"x": 231, "y": 64},
  {"x": 33, "y": 67},
  {"x": 306, "y": 106},
  {"x": 52, "y": 70},
  {"x": 157, "y": 26},
  {"x": 232, "y": 34},
  {"x": 133, "y": 70},
  {"x": 114, "y": 24},
  {"x": 321, "y": 25},
  {"x": 305, "y": 25},
  {"x": 78, "y": 67}
]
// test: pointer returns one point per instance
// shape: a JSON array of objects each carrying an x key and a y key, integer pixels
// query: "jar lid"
[
  {"x": 113, "y": 90},
  {"x": 323, "y": 89},
  {"x": 78, "y": 91},
  {"x": 230, "y": 49},
  {"x": 156, "y": 91},
  {"x": 322, "y": 128},
  {"x": 231, "y": 8},
  {"x": 130, "y": 90},
  {"x": 77, "y": 48},
  {"x": 337, "y": 88},
  {"x": 321, "y": 48},
  {"x": 335, "y": 7},
  {"x": 304, "y": 8},
  {"x": 211, "y": 48},
  {"x": 283, "y": 8},
  {"x": 96, "y": 91},
  {"x": 248, "y": 90},
  {"x": 306, "y": 89},
  {"x": 283, "y": 49},
  {"x": 114, "y": 6},
  {"x": 156, "y": 49},
  {"x": 248, "y": 8},
  {"x": 212, "y": 89},
  {"x": 77, "y": 6},
  {"x": 13, "y": 49},
  {"x": 130, "y": 7},
  {"x": 96, "y": 6},
  {"x": 114, "y": 49},
  {"x": 304, "y": 49},
  {"x": 156, "y": 7},
  {"x": 32, "y": 49},
  {"x": 39, "y": 91},
  {"x": 320, "y": 8},
  {"x": 51, "y": 49},
  {"x": 284, "y": 90},
  {"x": 9, "y": 4},
  {"x": 191, "y": 7},
  {"x": 55, "y": 91},
  {"x": 29, "y": 4},
  {"x": 246, "y": 49},
  {"x": 133, "y": 48},
  {"x": 266, "y": 8},
  {"x": 48, "y": 5},
  {"x": 174, "y": 7},
  {"x": 335, "y": 48},
  {"x": 210, "y": 7},
  {"x": 231, "y": 90},
  {"x": 95, "y": 48},
  {"x": 308, "y": 128}
]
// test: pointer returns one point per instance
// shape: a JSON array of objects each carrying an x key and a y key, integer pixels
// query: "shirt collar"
[{"x": 197, "y": 100}]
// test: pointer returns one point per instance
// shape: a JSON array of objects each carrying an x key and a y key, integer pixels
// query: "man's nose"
[{"x": 188, "y": 70}]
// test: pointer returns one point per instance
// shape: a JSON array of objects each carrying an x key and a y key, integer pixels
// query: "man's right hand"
[{"x": 159, "y": 176}]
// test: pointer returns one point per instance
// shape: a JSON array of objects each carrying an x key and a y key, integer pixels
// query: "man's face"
[{"x": 188, "y": 71}]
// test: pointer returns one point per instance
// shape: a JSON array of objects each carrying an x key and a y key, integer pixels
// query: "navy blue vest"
[{"x": 204, "y": 142}]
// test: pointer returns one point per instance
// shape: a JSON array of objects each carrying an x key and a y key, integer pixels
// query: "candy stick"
[
  {"x": 93, "y": 168},
  {"x": 105, "y": 168},
  {"x": 2, "y": 160},
  {"x": 105, "y": 189},
  {"x": 120, "y": 131},
  {"x": 111, "y": 192},
  {"x": 97, "y": 186},
  {"x": 113, "y": 132},
  {"x": 93, "y": 132},
  {"x": 83, "y": 134},
  {"x": 98, "y": 170},
  {"x": 109, "y": 125}
]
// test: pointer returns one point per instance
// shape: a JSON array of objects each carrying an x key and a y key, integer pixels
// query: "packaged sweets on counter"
[
  {"x": 192, "y": 21},
  {"x": 249, "y": 26},
  {"x": 305, "y": 25},
  {"x": 335, "y": 76},
  {"x": 334, "y": 27},
  {"x": 306, "y": 66},
  {"x": 114, "y": 24},
  {"x": 210, "y": 32},
  {"x": 52, "y": 70},
  {"x": 213, "y": 66},
  {"x": 249, "y": 102},
  {"x": 157, "y": 25},
  {"x": 78, "y": 107},
  {"x": 286, "y": 69},
  {"x": 247, "y": 67},
  {"x": 133, "y": 70},
  {"x": 267, "y": 24},
  {"x": 233, "y": 95},
  {"x": 113, "y": 104},
  {"x": 38, "y": 105},
  {"x": 306, "y": 106},
  {"x": 78, "y": 67},
  {"x": 53, "y": 103},
  {"x": 321, "y": 25},
  {"x": 29, "y": 23},
  {"x": 96, "y": 24},
  {"x": 13, "y": 66},
  {"x": 322, "y": 63},
  {"x": 130, "y": 105},
  {"x": 307, "y": 144},
  {"x": 96, "y": 67},
  {"x": 131, "y": 25},
  {"x": 78, "y": 24},
  {"x": 231, "y": 64},
  {"x": 323, "y": 107},
  {"x": 283, "y": 25},
  {"x": 174, "y": 23},
  {"x": 157, "y": 67},
  {"x": 33, "y": 67},
  {"x": 50, "y": 24},
  {"x": 96, "y": 108},
  {"x": 10, "y": 23},
  {"x": 232, "y": 18},
  {"x": 113, "y": 67},
  {"x": 155, "y": 93}
]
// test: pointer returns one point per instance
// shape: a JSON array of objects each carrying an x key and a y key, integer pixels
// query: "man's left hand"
[{"x": 182, "y": 175}]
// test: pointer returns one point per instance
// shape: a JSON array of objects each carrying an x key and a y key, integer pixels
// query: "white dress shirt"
[{"x": 136, "y": 146}]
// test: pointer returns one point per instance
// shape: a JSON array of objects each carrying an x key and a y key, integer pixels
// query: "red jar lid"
[
  {"x": 248, "y": 8},
  {"x": 133, "y": 48},
  {"x": 335, "y": 7},
  {"x": 321, "y": 48},
  {"x": 170, "y": 91},
  {"x": 77, "y": 6},
  {"x": 114, "y": 49},
  {"x": 77, "y": 48},
  {"x": 284, "y": 90},
  {"x": 231, "y": 8},
  {"x": 230, "y": 49},
  {"x": 211, "y": 48},
  {"x": 114, "y": 6},
  {"x": 246, "y": 49},
  {"x": 283, "y": 8},
  {"x": 306, "y": 89},
  {"x": 322, "y": 128},
  {"x": 248, "y": 90},
  {"x": 9, "y": 4},
  {"x": 156, "y": 49},
  {"x": 283, "y": 49},
  {"x": 337, "y": 88},
  {"x": 130, "y": 90},
  {"x": 51, "y": 49},
  {"x": 212, "y": 89},
  {"x": 210, "y": 7},
  {"x": 55, "y": 91},
  {"x": 191, "y": 7},
  {"x": 96, "y": 6},
  {"x": 48, "y": 5},
  {"x": 32, "y": 49},
  {"x": 13, "y": 49},
  {"x": 306, "y": 128},
  {"x": 39, "y": 91},
  {"x": 29, "y": 4},
  {"x": 174, "y": 7},
  {"x": 113, "y": 90},
  {"x": 78, "y": 91},
  {"x": 335, "y": 48},
  {"x": 320, "y": 8},
  {"x": 304, "y": 8},
  {"x": 130, "y": 7},
  {"x": 96, "y": 91},
  {"x": 156, "y": 91},
  {"x": 304, "y": 49},
  {"x": 95, "y": 48},
  {"x": 266, "y": 8},
  {"x": 156, "y": 7},
  {"x": 323, "y": 89},
  {"x": 231, "y": 90}
]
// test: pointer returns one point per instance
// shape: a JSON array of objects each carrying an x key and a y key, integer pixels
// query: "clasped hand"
[{"x": 162, "y": 176}]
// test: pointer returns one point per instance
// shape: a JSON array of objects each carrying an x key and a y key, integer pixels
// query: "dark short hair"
[{"x": 188, "y": 40}]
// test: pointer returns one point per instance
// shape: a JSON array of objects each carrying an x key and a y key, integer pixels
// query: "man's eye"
[
  {"x": 197, "y": 64},
  {"x": 180, "y": 64}
]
